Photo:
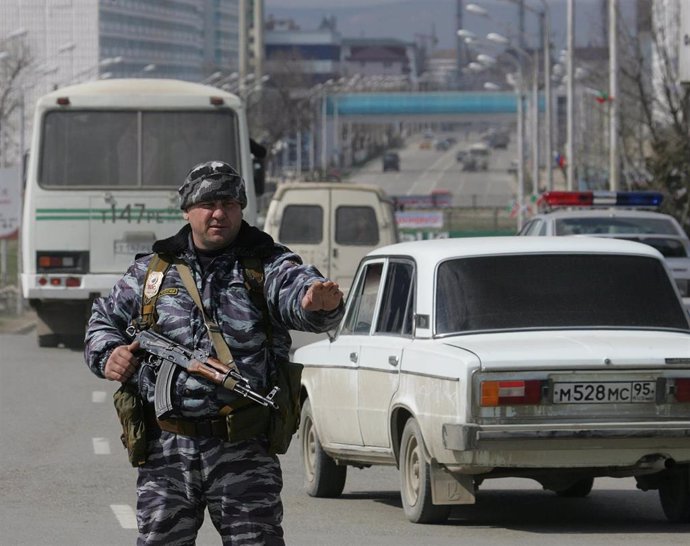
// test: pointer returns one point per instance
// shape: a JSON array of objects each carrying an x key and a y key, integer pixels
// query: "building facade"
[{"x": 70, "y": 41}]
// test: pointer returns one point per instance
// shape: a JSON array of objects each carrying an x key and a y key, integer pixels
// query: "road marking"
[
  {"x": 101, "y": 446},
  {"x": 98, "y": 397},
  {"x": 125, "y": 515}
]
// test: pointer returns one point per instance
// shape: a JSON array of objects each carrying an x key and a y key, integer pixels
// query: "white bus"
[{"x": 106, "y": 160}]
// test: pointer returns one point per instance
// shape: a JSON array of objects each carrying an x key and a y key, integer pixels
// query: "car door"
[
  {"x": 345, "y": 352},
  {"x": 381, "y": 352}
]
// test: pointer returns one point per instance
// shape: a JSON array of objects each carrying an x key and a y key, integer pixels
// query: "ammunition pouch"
[
  {"x": 284, "y": 422},
  {"x": 130, "y": 411}
]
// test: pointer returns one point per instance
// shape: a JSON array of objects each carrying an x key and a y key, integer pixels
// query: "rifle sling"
[{"x": 219, "y": 343}]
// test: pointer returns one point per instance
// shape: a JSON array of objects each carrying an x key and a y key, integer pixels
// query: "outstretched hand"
[{"x": 322, "y": 296}]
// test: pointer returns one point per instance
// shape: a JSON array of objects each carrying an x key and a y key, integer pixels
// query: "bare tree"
[
  {"x": 14, "y": 62},
  {"x": 284, "y": 106},
  {"x": 655, "y": 129}
]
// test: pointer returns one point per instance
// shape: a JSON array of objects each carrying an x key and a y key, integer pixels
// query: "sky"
[
  {"x": 328, "y": 3},
  {"x": 407, "y": 19}
]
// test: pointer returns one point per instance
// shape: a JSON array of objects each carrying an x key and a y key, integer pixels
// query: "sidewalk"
[{"x": 18, "y": 324}]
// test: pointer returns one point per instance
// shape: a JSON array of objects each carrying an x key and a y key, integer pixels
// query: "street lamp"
[
  {"x": 502, "y": 40},
  {"x": 518, "y": 86}
]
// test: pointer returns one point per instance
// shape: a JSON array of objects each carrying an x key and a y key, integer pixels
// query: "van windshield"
[{"x": 118, "y": 149}]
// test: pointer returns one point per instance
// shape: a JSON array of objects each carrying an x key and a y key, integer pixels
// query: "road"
[
  {"x": 425, "y": 170},
  {"x": 65, "y": 481}
]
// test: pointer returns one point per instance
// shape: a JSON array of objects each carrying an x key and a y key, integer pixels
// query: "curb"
[{"x": 24, "y": 328}]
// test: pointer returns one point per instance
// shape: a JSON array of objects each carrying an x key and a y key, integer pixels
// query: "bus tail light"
[
  {"x": 62, "y": 262},
  {"x": 69, "y": 282},
  {"x": 510, "y": 393}
]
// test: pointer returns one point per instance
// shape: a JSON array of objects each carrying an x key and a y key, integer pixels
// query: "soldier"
[{"x": 193, "y": 458}]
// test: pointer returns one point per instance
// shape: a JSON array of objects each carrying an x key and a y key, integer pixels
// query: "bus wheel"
[{"x": 48, "y": 340}]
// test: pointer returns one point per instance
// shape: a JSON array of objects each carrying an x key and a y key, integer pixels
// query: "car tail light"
[
  {"x": 681, "y": 390},
  {"x": 510, "y": 393}
]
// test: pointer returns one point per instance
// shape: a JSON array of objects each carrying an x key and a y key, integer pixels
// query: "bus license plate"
[
  {"x": 603, "y": 392},
  {"x": 130, "y": 248}
]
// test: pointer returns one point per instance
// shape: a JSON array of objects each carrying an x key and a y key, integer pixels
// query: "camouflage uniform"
[{"x": 239, "y": 482}]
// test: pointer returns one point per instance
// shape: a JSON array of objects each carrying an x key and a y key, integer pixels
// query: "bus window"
[
  {"x": 89, "y": 149},
  {"x": 102, "y": 149},
  {"x": 173, "y": 142}
]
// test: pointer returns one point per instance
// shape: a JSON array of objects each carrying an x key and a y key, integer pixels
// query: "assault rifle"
[{"x": 166, "y": 354}]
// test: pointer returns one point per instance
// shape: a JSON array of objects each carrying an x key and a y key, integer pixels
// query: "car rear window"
[
  {"x": 614, "y": 225},
  {"x": 555, "y": 291}
]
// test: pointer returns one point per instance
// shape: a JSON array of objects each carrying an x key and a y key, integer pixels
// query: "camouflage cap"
[{"x": 211, "y": 181}]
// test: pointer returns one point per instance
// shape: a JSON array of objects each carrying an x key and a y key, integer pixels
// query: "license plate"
[
  {"x": 603, "y": 392},
  {"x": 130, "y": 248}
]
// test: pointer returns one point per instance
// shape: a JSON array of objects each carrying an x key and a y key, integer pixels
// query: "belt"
[{"x": 195, "y": 428}]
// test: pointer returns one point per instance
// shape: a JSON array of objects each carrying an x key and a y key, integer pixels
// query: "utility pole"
[
  {"x": 614, "y": 164},
  {"x": 570, "y": 159}
]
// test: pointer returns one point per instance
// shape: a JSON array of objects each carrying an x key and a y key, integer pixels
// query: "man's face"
[{"x": 215, "y": 224}]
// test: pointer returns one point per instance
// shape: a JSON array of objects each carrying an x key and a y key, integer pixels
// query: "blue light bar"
[
  {"x": 639, "y": 199},
  {"x": 586, "y": 199}
]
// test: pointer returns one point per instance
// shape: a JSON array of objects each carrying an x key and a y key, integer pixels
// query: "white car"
[
  {"x": 459, "y": 360},
  {"x": 607, "y": 214}
]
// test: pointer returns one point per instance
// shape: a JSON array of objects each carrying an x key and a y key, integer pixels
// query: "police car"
[
  {"x": 622, "y": 215},
  {"x": 559, "y": 359}
]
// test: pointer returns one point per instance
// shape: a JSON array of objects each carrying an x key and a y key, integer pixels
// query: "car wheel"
[
  {"x": 322, "y": 476},
  {"x": 674, "y": 494},
  {"x": 415, "y": 479},
  {"x": 581, "y": 488}
]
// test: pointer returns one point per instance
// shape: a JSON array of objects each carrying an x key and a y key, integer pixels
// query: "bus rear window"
[{"x": 111, "y": 149}]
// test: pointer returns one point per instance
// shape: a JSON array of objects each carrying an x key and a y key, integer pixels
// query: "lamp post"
[
  {"x": 614, "y": 171},
  {"x": 503, "y": 40},
  {"x": 519, "y": 52},
  {"x": 570, "y": 118},
  {"x": 545, "y": 31},
  {"x": 519, "y": 89}
]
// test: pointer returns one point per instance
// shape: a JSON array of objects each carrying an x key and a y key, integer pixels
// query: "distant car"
[
  {"x": 513, "y": 167},
  {"x": 603, "y": 214},
  {"x": 460, "y": 360},
  {"x": 425, "y": 144},
  {"x": 442, "y": 145},
  {"x": 391, "y": 161},
  {"x": 460, "y": 155}
]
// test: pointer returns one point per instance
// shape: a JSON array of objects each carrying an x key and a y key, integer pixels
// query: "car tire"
[
  {"x": 323, "y": 478},
  {"x": 579, "y": 489},
  {"x": 415, "y": 479},
  {"x": 674, "y": 494}
]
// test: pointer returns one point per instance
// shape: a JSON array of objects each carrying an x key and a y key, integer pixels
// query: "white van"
[
  {"x": 480, "y": 153},
  {"x": 331, "y": 225}
]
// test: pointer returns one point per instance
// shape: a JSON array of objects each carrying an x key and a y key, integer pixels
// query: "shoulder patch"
[
  {"x": 169, "y": 292},
  {"x": 153, "y": 283}
]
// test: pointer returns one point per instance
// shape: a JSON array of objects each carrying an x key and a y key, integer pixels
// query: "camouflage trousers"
[{"x": 239, "y": 483}]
